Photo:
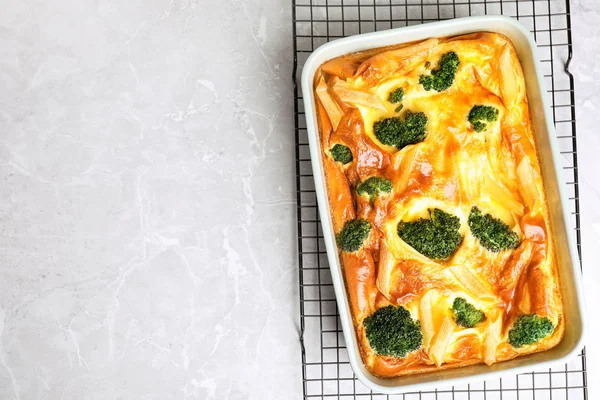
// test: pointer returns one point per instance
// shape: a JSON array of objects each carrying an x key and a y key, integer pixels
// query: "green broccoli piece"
[
  {"x": 396, "y": 96},
  {"x": 399, "y": 108},
  {"x": 373, "y": 186},
  {"x": 396, "y": 132},
  {"x": 387, "y": 130},
  {"x": 353, "y": 235},
  {"x": 436, "y": 238},
  {"x": 528, "y": 329},
  {"x": 442, "y": 77},
  {"x": 341, "y": 153},
  {"x": 479, "y": 126},
  {"x": 479, "y": 116},
  {"x": 493, "y": 234},
  {"x": 414, "y": 128},
  {"x": 392, "y": 332},
  {"x": 465, "y": 314}
]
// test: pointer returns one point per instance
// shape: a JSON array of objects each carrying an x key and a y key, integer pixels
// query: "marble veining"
[{"x": 148, "y": 210}]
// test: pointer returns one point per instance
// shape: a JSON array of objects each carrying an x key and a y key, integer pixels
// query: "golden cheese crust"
[{"x": 454, "y": 168}]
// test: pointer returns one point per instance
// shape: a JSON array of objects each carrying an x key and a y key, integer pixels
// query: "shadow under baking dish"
[{"x": 556, "y": 192}]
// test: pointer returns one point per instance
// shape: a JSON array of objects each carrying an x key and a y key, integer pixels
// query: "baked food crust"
[{"x": 454, "y": 169}]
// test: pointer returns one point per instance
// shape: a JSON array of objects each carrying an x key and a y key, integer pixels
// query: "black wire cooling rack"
[{"x": 326, "y": 371}]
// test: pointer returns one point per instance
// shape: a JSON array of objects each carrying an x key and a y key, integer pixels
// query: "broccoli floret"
[
  {"x": 493, "y": 234},
  {"x": 465, "y": 314},
  {"x": 436, "y": 238},
  {"x": 396, "y": 132},
  {"x": 528, "y": 329},
  {"x": 479, "y": 116},
  {"x": 396, "y": 96},
  {"x": 373, "y": 186},
  {"x": 392, "y": 332},
  {"x": 353, "y": 235},
  {"x": 442, "y": 77},
  {"x": 387, "y": 130},
  {"x": 341, "y": 153},
  {"x": 414, "y": 128},
  {"x": 479, "y": 126}
]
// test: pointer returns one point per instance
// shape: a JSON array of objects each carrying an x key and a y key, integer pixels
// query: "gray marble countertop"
[{"x": 148, "y": 202}]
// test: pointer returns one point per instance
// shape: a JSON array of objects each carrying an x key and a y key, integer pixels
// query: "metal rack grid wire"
[{"x": 326, "y": 372}]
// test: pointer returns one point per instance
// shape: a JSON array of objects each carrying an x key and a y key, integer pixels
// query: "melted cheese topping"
[{"x": 453, "y": 169}]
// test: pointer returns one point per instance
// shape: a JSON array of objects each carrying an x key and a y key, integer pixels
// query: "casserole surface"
[{"x": 456, "y": 166}]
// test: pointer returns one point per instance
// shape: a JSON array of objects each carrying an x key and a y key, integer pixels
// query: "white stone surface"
[
  {"x": 147, "y": 210},
  {"x": 148, "y": 204}
]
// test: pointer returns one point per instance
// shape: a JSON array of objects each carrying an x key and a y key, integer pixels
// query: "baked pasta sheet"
[{"x": 438, "y": 204}]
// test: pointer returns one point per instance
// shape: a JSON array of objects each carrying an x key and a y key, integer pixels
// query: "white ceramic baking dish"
[{"x": 556, "y": 192}]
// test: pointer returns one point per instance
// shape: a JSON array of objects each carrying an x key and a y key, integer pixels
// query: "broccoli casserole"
[{"x": 438, "y": 204}]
